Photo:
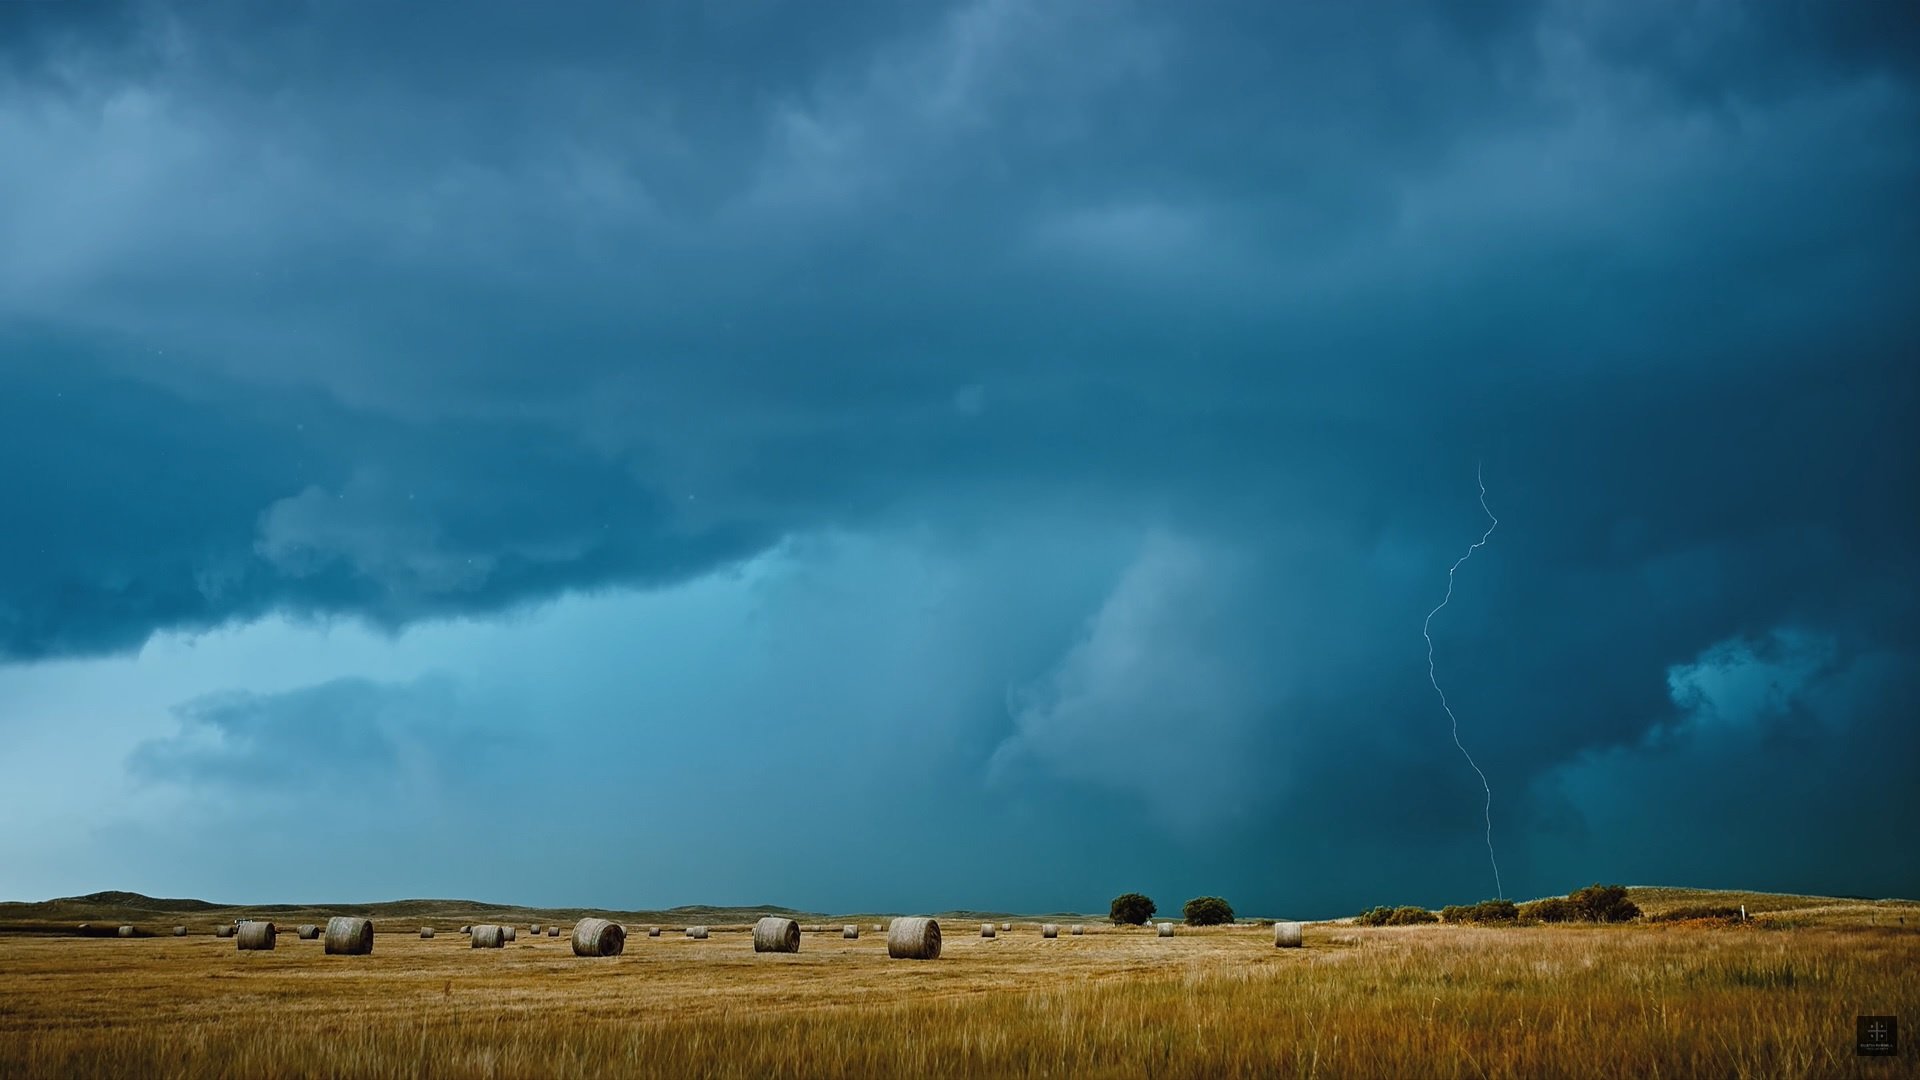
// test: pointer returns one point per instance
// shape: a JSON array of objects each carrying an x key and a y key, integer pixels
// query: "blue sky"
[{"x": 989, "y": 455}]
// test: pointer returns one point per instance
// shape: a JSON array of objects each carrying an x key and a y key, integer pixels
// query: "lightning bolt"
[{"x": 1425, "y": 631}]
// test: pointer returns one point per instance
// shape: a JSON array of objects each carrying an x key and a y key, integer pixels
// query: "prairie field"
[{"x": 1774, "y": 997}]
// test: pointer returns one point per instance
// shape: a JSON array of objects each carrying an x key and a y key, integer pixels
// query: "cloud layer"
[{"x": 1162, "y": 344}]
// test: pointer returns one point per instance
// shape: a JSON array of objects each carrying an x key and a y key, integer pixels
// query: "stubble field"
[{"x": 1775, "y": 999}]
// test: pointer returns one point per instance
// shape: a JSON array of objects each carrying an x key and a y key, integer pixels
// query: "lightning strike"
[{"x": 1426, "y": 632}]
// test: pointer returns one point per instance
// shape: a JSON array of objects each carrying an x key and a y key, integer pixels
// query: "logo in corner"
[{"x": 1877, "y": 1036}]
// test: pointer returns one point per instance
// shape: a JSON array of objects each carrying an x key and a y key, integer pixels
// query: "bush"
[
  {"x": 1595, "y": 903},
  {"x": 1552, "y": 909},
  {"x": 1396, "y": 916},
  {"x": 1379, "y": 916},
  {"x": 1131, "y": 909},
  {"x": 1207, "y": 911},
  {"x": 1604, "y": 903},
  {"x": 1486, "y": 911}
]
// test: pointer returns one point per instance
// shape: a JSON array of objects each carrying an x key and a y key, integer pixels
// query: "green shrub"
[
  {"x": 1131, "y": 909},
  {"x": 1207, "y": 911},
  {"x": 1396, "y": 916},
  {"x": 1379, "y": 916},
  {"x": 1604, "y": 903},
  {"x": 1486, "y": 911},
  {"x": 1551, "y": 910}
]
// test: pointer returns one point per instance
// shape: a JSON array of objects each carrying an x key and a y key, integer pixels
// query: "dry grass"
[{"x": 1419, "y": 1001}]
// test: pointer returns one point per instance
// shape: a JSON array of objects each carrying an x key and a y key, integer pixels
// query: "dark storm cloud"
[{"x": 399, "y": 315}]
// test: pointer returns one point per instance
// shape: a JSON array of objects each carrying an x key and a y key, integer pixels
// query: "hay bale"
[
  {"x": 598, "y": 937},
  {"x": 1078, "y": 930},
  {"x": 850, "y": 932},
  {"x": 467, "y": 929},
  {"x": 126, "y": 931},
  {"x": 653, "y": 932},
  {"x": 697, "y": 933},
  {"x": 775, "y": 934},
  {"x": 1166, "y": 929},
  {"x": 986, "y": 930},
  {"x": 307, "y": 931},
  {"x": 877, "y": 928},
  {"x": 225, "y": 930},
  {"x": 534, "y": 929},
  {"x": 554, "y": 931},
  {"x": 1286, "y": 935},
  {"x": 254, "y": 935},
  {"x": 488, "y": 936},
  {"x": 348, "y": 935},
  {"x": 914, "y": 937},
  {"x": 512, "y": 933},
  {"x": 179, "y": 931},
  {"x": 426, "y": 933},
  {"x": 1049, "y": 930},
  {"x": 1006, "y": 927}
]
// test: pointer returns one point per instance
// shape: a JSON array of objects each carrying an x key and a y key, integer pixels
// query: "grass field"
[{"x": 1774, "y": 997}]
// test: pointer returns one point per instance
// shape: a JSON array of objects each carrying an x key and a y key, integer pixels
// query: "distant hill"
[
  {"x": 117, "y": 907},
  {"x": 134, "y": 900}
]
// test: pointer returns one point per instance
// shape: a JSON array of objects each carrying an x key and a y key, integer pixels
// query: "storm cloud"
[{"x": 1152, "y": 351}]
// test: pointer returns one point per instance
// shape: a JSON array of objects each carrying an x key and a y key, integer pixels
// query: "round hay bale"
[
  {"x": 467, "y": 929},
  {"x": 850, "y": 932},
  {"x": 225, "y": 930},
  {"x": 1078, "y": 930},
  {"x": 554, "y": 931},
  {"x": 653, "y": 931},
  {"x": 255, "y": 934},
  {"x": 512, "y": 933},
  {"x": 1049, "y": 930},
  {"x": 598, "y": 937},
  {"x": 349, "y": 936},
  {"x": 534, "y": 929},
  {"x": 126, "y": 931},
  {"x": 179, "y": 931},
  {"x": 488, "y": 936},
  {"x": 986, "y": 930},
  {"x": 1006, "y": 927},
  {"x": 878, "y": 928},
  {"x": 914, "y": 937},
  {"x": 1166, "y": 929},
  {"x": 426, "y": 933},
  {"x": 1286, "y": 935},
  {"x": 307, "y": 931},
  {"x": 775, "y": 934},
  {"x": 697, "y": 933}
]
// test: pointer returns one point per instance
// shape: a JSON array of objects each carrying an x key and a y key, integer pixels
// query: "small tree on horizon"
[
  {"x": 1131, "y": 909},
  {"x": 1207, "y": 911}
]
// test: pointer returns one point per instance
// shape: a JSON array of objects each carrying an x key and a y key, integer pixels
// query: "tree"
[
  {"x": 1207, "y": 911},
  {"x": 1131, "y": 909},
  {"x": 1604, "y": 903}
]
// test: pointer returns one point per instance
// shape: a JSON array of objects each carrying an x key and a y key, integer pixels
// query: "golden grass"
[{"x": 1418, "y": 1001}]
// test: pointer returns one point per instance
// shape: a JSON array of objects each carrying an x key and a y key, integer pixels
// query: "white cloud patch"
[{"x": 1745, "y": 683}]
